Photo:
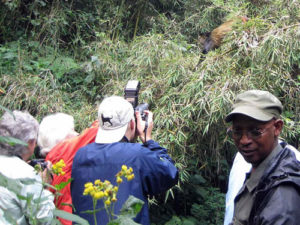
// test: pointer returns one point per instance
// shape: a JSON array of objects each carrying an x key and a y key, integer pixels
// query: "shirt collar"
[
  {"x": 256, "y": 175},
  {"x": 124, "y": 139}
]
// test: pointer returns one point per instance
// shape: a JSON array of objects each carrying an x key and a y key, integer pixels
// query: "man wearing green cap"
[{"x": 271, "y": 191}]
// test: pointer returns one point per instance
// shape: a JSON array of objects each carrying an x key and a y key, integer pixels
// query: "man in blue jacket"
[{"x": 154, "y": 170}]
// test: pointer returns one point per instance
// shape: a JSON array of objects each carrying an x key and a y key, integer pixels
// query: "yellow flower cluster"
[
  {"x": 100, "y": 190},
  {"x": 126, "y": 172},
  {"x": 105, "y": 190},
  {"x": 57, "y": 168}
]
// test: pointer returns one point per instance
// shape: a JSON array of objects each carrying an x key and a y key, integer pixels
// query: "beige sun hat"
[{"x": 257, "y": 104}]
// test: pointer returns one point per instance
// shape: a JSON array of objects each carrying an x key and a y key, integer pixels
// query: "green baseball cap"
[{"x": 257, "y": 104}]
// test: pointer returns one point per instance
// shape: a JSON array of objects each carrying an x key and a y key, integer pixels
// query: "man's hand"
[
  {"x": 140, "y": 126},
  {"x": 46, "y": 174}
]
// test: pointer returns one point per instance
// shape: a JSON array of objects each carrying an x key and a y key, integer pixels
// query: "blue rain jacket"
[{"x": 153, "y": 169}]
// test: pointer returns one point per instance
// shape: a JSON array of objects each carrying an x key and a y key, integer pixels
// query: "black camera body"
[
  {"x": 40, "y": 162},
  {"x": 131, "y": 94},
  {"x": 141, "y": 108}
]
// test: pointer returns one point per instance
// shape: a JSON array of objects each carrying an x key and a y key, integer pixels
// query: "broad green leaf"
[
  {"x": 197, "y": 179},
  {"x": 132, "y": 206},
  {"x": 62, "y": 184},
  {"x": 11, "y": 184},
  {"x": 12, "y": 141},
  {"x": 71, "y": 217},
  {"x": 9, "y": 218},
  {"x": 123, "y": 220},
  {"x": 10, "y": 55},
  {"x": 7, "y": 110}
]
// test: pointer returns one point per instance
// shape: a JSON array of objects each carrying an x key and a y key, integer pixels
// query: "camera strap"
[{"x": 146, "y": 126}]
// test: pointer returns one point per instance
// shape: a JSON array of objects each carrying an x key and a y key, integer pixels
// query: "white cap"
[{"x": 114, "y": 114}]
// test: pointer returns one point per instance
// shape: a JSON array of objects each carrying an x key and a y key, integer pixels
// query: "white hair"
[{"x": 54, "y": 128}]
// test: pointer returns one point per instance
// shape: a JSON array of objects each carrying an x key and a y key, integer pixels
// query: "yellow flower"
[
  {"x": 107, "y": 202},
  {"x": 99, "y": 195},
  {"x": 107, "y": 182},
  {"x": 115, "y": 189},
  {"x": 130, "y": 177},
  {"x": 57, "y": 168},
  {"x": 98, "y": 182},
  {"x": 124, "y": 167},
  {"x": 89, "y": 189},
  {"x": 92, "y": 193},
  {"x": 88, "y": 184},
  {"x": 119, "y": 180},
  {"x": 99, "y": 189},
  {"x": 119, "y": 174}
]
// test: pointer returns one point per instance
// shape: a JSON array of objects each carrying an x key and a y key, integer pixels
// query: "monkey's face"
[{"x": 208, "y": 45}]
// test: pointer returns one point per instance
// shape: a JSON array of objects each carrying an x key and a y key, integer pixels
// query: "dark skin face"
[{"x": 256, "y": 149}]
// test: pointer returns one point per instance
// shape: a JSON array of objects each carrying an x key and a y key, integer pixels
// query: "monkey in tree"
[{"x": 215, "y": 38}]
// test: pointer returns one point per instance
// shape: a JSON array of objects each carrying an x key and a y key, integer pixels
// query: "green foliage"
[
  {"x": 14, "y": 185},
  {"x": 12, "y": 141},
  {"x": 10, "y": 184},
  {"x": 211, "y": 211},
  {"x": 129, "y": 210},
  {"x": 132, "y": 206},
  {"x": 196, "y": 202},
  {"x": 68, "y": 216},
  {"x": 182, "y": 221},
  {"x": 62, "y": 185}
]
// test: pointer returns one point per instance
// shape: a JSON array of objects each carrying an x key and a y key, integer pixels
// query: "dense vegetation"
[{"x": 67, "y": 55}]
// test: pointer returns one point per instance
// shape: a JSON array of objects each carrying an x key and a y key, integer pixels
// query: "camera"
[
  {"x": 131, "y": 94},
  {"x": 141, "y": 108},
  {"x": 40, "y": 162}
]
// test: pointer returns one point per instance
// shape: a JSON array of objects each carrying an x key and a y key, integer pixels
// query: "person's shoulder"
[
  {"x": 16, "y": 168},
  {"x": 133, "y": 150},
  {"x": 84, "y": 150},
  {"x": 291, "y": 148},
  {"x": 134, "y": 147},
  {"x": 288, "y": 162}
]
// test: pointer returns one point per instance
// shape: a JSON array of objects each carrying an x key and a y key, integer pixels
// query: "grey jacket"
[{"x": 277, "y": 196}]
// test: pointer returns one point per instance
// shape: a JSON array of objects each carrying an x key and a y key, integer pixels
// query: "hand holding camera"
[
  {"x": 144, "y": 118},
  {"x": 38, "y": 162},
  {"x": 44, "y": 168},
  {"x": 143, "y": 132}
]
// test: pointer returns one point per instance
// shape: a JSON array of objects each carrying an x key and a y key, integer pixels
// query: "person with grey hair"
[
  {"x": 28, "y": 202},
  {"x": 53, "y": 129}
]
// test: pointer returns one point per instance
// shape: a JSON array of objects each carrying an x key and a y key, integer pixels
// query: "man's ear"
[
  {"x": 132, "y": 124},
  {"x": 31, "y": 143},
  {"x": 278, "y": 127}
]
